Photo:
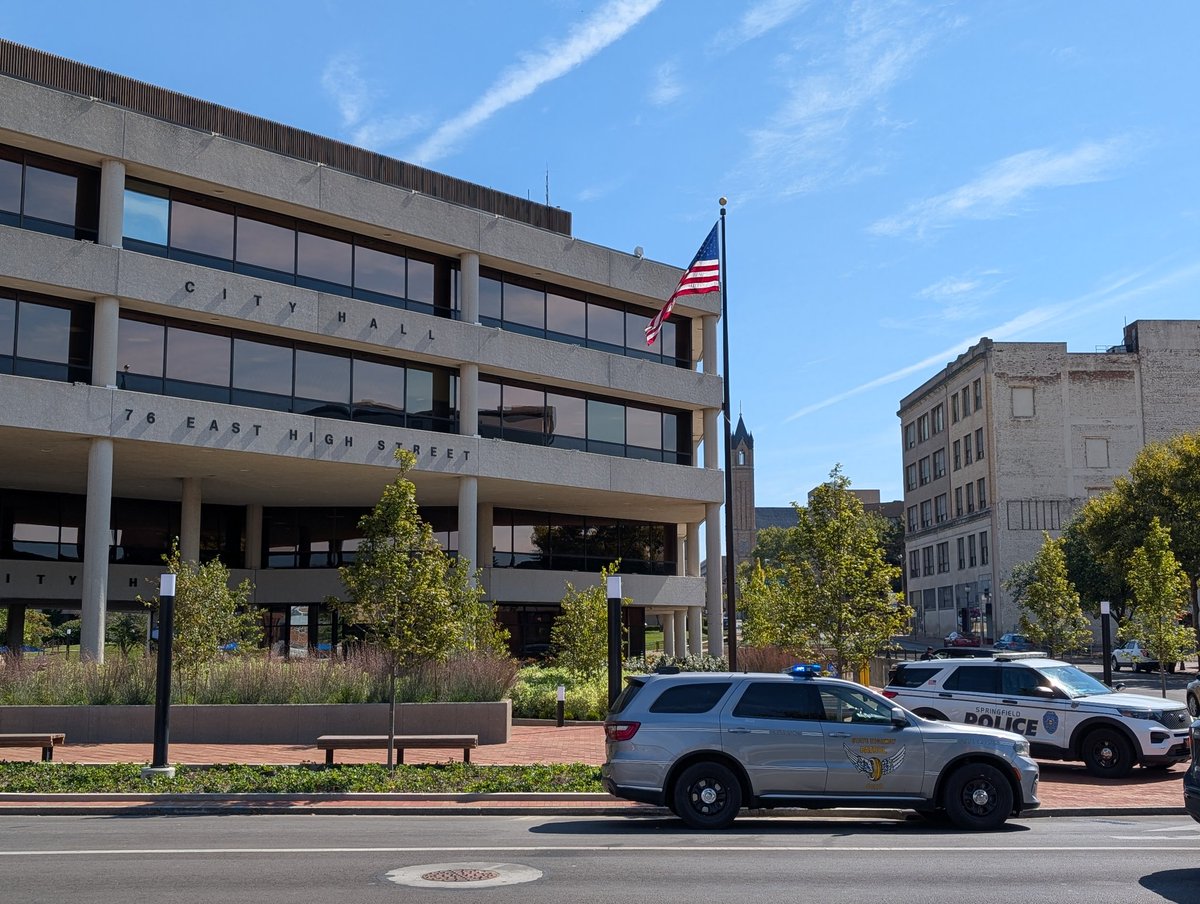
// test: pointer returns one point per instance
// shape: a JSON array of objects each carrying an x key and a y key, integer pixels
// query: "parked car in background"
[
  {"x": 1191, "y": 778},
  {"x": 1193, "y": 698},
  {"x": 1018, "y": 643},
  {"x": 1134, "y": 655},
  {"x": 956, "y": 639}
]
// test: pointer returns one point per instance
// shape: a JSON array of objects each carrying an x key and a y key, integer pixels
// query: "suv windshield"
[{"x": 1076, "y": 682}]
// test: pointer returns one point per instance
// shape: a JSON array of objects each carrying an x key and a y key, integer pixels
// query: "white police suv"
[{"x": 1065, "y": 713}]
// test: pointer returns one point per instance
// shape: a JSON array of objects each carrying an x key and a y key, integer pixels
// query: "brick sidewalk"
[{"x": 1063, "y": 785}]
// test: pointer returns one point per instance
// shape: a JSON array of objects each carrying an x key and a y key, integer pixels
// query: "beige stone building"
[{"x": 1008, "y": 441}]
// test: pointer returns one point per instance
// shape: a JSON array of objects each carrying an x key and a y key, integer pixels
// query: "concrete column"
[
  {"x": 680, "y": 549},
  {"x": 693, "y": 550},
  {"x": 709, "y": 353},
  {"x": 712, "y": 443},
  {"x": 96, "y": 540},
  {"x": 713, "y": 570},
  {"x": 189, "y": 520},
  {"x": 468, "y": 287},
  {"x": 468, "y": 399},
  {"x": 695, "y": 630},
  {"x": 681, "y": 632},
  {"x": 254, "y": 527},
  {"x": 104, "y": 341},
  {"x": 468, "y": 520},
  {"x": 667, "y": 619},
  {"x": 483, "y": 540},
  {"x": 112, "y": 203}
]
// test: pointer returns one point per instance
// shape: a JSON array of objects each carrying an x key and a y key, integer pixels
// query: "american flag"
[{"x": 703, "y": 276}]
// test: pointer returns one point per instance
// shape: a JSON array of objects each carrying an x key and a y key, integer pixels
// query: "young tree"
[
  {"x": 1050, "y": 612},
  {"x": 828, "y": 581},
  {"x": 208, "y": 613},
  {"x": 127, "y": 630},
  {"x": 579, "y": 635},
  {"x": 409, "y": 598},
  {"x": 37, "y": 629},
  {"x": 1161, "y": 590}
]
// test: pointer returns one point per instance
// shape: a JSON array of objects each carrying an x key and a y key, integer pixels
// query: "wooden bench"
[
  {"x": 46, "y": 740},
  {"x": 330, "y": 743}
]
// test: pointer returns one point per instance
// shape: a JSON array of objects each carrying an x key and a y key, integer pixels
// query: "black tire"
[
  {"x": 1107, "y": 753},
  {"x": 1193, "y": 706},
  {"x": 707, "y": 795},
  {"x": 1116, "y": 666},
  {"x": 930, "y": 714},
  {"x": 978, "y": 797}
]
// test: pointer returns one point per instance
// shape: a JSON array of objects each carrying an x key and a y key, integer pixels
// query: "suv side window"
[
  {"x": 1019, "y": 680},
  {"x": 779, "y": 700},
  {"x": 626, "y": 696},
  {"x": 913, "y": 675},
  {"x": 690, "y": 698},
  {"x": 975, "y": 680},
  {"x": 844, "y": 704}
]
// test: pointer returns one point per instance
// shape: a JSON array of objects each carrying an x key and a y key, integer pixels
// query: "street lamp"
[{"x": 985, "y": 604}]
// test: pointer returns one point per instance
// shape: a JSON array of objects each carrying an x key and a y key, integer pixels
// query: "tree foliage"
[
  {"x": 127, "y": 630},
  {"x": 825, "y": 585},
  {"x": 208, "y": 613},
  {"x": 1051, "y": 616},
  {"x": 1161, "y": 590},
  {"x": 37, "y": 631},
  {"x": 579, "y": 635}
]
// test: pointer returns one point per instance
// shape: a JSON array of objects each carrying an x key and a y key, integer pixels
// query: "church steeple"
[{"x": 741, "y": 445}]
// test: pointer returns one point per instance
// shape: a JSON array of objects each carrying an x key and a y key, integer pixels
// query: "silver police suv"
[
  {"x": 1065, "y": 713},
  {"x": 707, "y": 744}
]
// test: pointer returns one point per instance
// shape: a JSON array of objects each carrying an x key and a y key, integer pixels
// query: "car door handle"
[
  {"x": 1011, "y": 702},
  {"x": 950, "y": 696},
  {"x": 839, "y": 734},
  {"x": 738, "y": 730}
]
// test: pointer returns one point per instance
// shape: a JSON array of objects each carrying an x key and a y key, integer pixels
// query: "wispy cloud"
[
  {"x": 1005, "y": 185},
  {"x": 759, "y": 19},
  {"x": 1121, "y": 289},
  {"x": 343, "y": 81},
  {"x": 606, "y": 25},
  {"x": 948, "y": 301},
  {"x": 666, "y": 87},
  {"x": 809, "y": 142}
]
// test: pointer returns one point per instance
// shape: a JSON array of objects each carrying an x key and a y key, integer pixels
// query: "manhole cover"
[
  {"x": 463, "y": 875},
  {"x": 460, "y": 875}
]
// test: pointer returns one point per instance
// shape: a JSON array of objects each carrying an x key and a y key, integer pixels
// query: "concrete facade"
[
  {"x": 95, "y": 440},
  {"x": 1047, "y": 429}
]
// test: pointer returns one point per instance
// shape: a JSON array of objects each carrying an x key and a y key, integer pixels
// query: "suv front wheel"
[
  {"x": 1107, "y": 753},
  {"x": 978, "y": 796},
  {"x": 707, "y": 795}
]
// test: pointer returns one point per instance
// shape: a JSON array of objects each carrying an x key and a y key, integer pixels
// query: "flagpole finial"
[{"x": 724, "y": 201}]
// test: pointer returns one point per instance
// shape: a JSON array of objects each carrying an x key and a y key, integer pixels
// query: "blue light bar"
[{"x": 805, "y": 670}]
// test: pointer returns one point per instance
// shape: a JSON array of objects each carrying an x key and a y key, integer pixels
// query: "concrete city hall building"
[
  {"x": 219, "y": 329},
  {"x": 1010, "y": 440}
]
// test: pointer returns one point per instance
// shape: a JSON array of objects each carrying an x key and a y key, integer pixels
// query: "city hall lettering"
[{"x": 214, "y": 425}]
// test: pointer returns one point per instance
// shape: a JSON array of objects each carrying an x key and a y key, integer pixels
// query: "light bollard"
[
  {"x": 1106, "y": 641},
  {"x": 614, "y": 637},
  {"x": 562, "y": 703},
  {"x": 162, "y": 691}
]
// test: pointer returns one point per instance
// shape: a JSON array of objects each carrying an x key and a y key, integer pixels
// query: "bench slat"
[
  {"x": 330, "y": 743},
  {"x": 45, "y": 740}
]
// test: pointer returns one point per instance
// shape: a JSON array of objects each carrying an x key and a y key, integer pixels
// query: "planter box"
[{"x": 265, "y": 723}]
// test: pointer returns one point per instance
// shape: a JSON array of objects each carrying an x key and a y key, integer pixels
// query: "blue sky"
[{"x": 904, "y": 178}]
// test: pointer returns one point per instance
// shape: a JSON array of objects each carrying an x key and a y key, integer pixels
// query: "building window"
[
  {"x": 939, "y": 464},
  {"x": 962, "y": 555},
  {"x": 939, "y": 419},
  {"x": 914, "y": 564},
  {"x": 1022, "y": 401},
  {"x": 939, "y": 505},
  {"x": 965, "y": 395},
  {"x": 910, "y": 435},
  {"x": 45, "y": 338},
  {"x": 922, "y": 428},
  {"x": 912, "y": 518},
  {"x": 983, "y": 548},
  {"x": 943, "y": 557},
  {"x": 970, "y": 488},
  {"x": 981, "y": 492},
  {"x": 1095, "y": 452},
  {"x": 929, "y": 599},
  {"x": 48, "y": 195},
  {"x": 954, "y": 408},
  {"x": 945, "y": 598},
  {"x": 977, "y": 387},
  {"x": 958, "y": 503},
  {"x": 910, "y": 477},
  {"x": 967, "y": 449},
  {"x": 979, "y": 444},
  {"x": 927, "y": 561},
  {"x": 970, "y": 550},
  {"x": 926, "y": 514},
  {"x": 957, "y": 454},
  {"x": 924, "y": 469},
  {"x": 1034, "y": 514}
]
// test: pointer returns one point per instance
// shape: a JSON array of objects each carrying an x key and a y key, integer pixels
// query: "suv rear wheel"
[
  {"x": 1193, "y": 706},
  {"x": 1107, "y": 753},
  {"x": 978, "y": 796},
  {"x": 707, "y": 795}
]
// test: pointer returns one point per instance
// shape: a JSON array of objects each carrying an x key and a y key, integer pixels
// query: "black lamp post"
[{"x": 162, "y": 690}]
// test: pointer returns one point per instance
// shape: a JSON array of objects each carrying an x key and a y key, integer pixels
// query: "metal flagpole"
[{"x": 730, "y": 564}]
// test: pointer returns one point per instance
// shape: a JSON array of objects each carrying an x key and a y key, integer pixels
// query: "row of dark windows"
[
  {"x": 48, "y": 195},
  {"x": 524, "y": 413},
  {"x": 45, "y": 338},
  {"x": 219, "y": 365},
  {"x": 50, "y": 527}
]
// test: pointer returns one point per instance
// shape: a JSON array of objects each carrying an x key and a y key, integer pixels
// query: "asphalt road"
[{"x": 295, "y": 859}]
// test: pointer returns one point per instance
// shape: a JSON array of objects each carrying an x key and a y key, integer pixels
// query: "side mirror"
[
  {"x": 1119, "y": 686},
  {"x": 899, "y": 717},
  {"x": 1046, "y": 693}
]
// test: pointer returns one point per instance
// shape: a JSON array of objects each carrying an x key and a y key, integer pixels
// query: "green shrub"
[{"x": 535, "y": 695}]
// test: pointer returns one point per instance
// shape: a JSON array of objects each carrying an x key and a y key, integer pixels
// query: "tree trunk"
[
  {"x": 391, "y": 753},
  {"x": 1162, "y": 677}
]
